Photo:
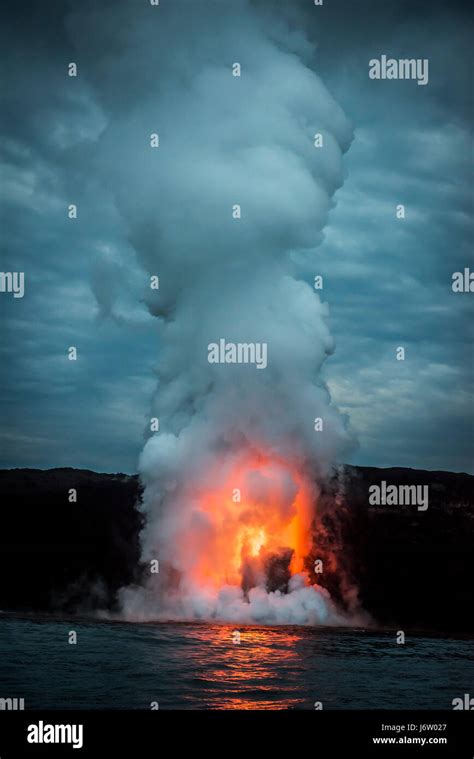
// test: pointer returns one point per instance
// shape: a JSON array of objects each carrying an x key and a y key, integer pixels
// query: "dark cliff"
[{"x": 411, "y": 568}]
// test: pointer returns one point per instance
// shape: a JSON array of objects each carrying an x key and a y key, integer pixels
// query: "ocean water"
[{"x": 199, "y": 666}]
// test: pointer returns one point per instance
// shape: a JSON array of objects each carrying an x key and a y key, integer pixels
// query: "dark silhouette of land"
[{"x": 412, "y": 569}]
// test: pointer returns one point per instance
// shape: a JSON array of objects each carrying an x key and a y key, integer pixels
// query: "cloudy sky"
[{"x": 387, "y": 281}]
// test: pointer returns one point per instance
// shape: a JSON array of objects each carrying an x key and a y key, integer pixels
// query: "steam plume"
[{"x": 225, "y": 140}]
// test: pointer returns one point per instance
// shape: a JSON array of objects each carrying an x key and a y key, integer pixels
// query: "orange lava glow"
[
  {"x": 250, "y": 667},
  {"x": 260, "y": 509}
]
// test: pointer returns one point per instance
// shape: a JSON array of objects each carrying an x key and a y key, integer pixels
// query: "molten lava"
[{"x": 259, "y": 515}]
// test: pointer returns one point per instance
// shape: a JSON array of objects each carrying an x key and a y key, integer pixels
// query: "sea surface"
[{"x": 199, "y": 666}]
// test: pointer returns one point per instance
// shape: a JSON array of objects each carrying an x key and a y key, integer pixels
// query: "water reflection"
[
  {"x": 199, "y": 666},
  {"x": 249, "y": 666}
]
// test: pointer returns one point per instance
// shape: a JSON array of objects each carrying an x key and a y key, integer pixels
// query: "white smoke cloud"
[
  {"x": 224, "y": 140},
  {"x": 302, "y": 605}
]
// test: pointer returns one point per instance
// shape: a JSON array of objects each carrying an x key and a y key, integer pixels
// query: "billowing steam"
[{"x": 230, "y": 478}]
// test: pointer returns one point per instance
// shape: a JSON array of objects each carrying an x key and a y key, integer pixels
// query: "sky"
[{"x": 387, "y": 281}]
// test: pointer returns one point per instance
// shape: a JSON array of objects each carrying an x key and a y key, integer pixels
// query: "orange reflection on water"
[{"x": 250, "y": 673}]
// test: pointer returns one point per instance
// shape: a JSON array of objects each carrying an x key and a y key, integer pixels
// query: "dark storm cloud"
[
  {"x": 56, "y": 412},
  {"x": 387, "y": 282}
]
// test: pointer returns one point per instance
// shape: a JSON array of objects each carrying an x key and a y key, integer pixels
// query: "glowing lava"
[{"x": 261, "y": 511}]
